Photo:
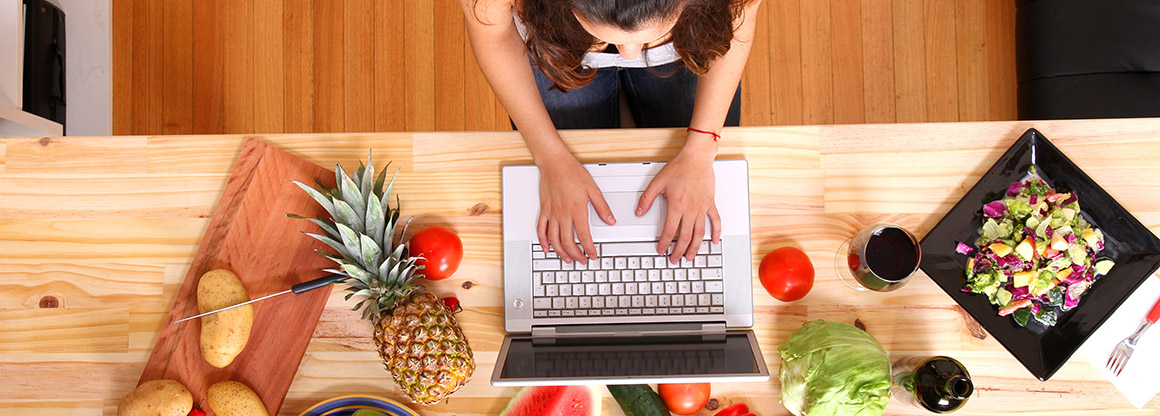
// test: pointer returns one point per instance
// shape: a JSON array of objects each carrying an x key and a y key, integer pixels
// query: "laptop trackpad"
[{"x": 623, "y": 206}]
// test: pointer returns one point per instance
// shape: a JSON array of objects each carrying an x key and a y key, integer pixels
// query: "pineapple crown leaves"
[{"x": 361, "y": 231}]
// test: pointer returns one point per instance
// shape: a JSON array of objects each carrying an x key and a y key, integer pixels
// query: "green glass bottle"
[{"x": 938, "y": 384}]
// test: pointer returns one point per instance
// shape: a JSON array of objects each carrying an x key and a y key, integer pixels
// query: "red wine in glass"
[{"x": 880, "y": 257}]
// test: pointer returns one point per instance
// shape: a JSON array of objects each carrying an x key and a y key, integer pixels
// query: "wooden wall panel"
[
  {"x": 785, "y": 61},
  {"x": 755, "y": 81},
  {"x": 238, "y": 58},
  {"x": 358, "y": 66},
  {"x": 849, "y": 96},
  {"x": 122, "y": 63},
  {"x": 177, "y": 67},
  {"x": 878, "y": 60},
  {"x": 271, "y": 66},
  {"x": 942, "y": 102},
  {"x": 817, "y": 63},
  {"x": 299, "y": 60},
  {"x": 208, "y": 86},
  {"x": 389, "y": 63},
  {"x": 328, "y": 64},
  {"x": 147, "y": 67},
  {"x": 909, "y": 62},
  {"x": 419, "y": 64}
]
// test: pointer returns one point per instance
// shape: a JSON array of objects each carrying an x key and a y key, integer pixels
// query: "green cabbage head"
[{"x": 834, "y": 369}]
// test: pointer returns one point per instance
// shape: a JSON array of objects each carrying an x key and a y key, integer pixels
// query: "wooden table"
[{"x": 97, "y": 233}]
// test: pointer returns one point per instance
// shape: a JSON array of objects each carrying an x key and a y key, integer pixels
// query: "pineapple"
[{"x": 417, "y": 336}]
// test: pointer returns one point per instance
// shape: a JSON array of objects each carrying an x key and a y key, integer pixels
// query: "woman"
[{"x": 680, "y": 61}]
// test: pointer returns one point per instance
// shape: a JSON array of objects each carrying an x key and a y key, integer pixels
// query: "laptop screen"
[{"x": 726, "y": 355}]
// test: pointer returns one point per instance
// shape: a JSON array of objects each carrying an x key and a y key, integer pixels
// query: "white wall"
[
  {"x": 88, "y": 67},
  {"x": 11, "y": 52}
]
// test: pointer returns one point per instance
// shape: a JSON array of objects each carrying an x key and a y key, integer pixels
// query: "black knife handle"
[{"x": 317, "y": 283}]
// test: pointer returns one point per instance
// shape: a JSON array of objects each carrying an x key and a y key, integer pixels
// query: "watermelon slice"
[{"x": 555, "y": 401}]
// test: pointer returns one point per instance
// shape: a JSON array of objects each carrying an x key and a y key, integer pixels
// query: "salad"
[{"x": 1036, "y": 255}]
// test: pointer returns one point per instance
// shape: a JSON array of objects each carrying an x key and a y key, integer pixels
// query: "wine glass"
[{"x": 881, "y": 258}]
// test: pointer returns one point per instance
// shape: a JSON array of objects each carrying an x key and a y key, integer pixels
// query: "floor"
[{"x": 274, "y": 66}]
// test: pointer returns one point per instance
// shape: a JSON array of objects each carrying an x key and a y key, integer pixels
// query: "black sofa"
[{"x": 1087, "y": 58}]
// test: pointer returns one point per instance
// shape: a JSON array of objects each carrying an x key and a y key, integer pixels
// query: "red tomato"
[
  {"x": 684, "y": 399},
  {"x": 441, "y": 250},
  {"x": 787, "y": 274},
  {"x": 196, "y": 412}
]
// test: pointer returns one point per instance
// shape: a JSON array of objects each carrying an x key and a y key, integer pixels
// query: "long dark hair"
[{"x": 557, "y": 42}]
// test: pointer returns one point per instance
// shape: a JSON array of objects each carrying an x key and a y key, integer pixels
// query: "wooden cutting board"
[{"x": 251, "y": 236}]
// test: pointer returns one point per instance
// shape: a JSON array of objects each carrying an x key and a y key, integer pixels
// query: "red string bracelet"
[{"x": 715, "y": 135}]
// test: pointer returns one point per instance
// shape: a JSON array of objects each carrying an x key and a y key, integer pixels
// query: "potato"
[
  {"x": 223, "y": 334},
  {"x": 231, "y": 398},
  {"x": 156, "y": 398}
]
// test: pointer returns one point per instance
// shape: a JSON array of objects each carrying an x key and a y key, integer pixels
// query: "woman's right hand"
[{"x": 566, "y": 188}]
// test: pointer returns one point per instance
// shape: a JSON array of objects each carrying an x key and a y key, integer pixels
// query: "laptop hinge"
[{"x": 630, "y": 330}]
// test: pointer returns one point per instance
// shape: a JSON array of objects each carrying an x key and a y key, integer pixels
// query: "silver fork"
[{"x": 1123, "y": 351}]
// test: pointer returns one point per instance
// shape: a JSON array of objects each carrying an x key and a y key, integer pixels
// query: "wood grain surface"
[
  {"x": 250, "y": 235},
  {"x": 97, "y": 236}
]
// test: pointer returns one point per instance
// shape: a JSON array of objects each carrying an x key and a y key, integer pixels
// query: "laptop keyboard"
[{"x": 628, "y": 279}]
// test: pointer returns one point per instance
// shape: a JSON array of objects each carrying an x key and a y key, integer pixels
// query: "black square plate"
[{"x": 1133, "y": 247}]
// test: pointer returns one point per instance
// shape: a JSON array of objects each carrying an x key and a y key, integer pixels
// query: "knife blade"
[{"x": 296, "y": 289}]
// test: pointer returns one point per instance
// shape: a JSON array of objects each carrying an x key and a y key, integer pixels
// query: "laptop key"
[
  {"x": 700, "y": 261},
  {"x": 621, "y": 263},
  {"x": 648, "y": 311},
  {"x": 703, "y": 299},
  {"x": 618, "y": 288},
  {"x": 565, "y": 290},
  {"x": 579, "y": 266},
  {"x": 703, "y": 309},
  {"x": 716, "y": 309},
  {"x": 629, "y": 249},
  {"x": 550, "y": 290},
  {"x": 718, "y": 299},
  {"x": 634, "y": 311},
  {"x": 685, "y": 263},
  {"x": 626, "y": 275},
  {"x": 607, "y": 312},
  {"x": 650, "y": 301},
  {"x": 634, "y": 262},
  {"x": 666, "y": 275},
  {"x": 567, "y": 313},
  {"x": 638, "y": 301},
  {"x": 694, "y": 274},
  {"x": 541, "y": 303},
  {"x": 678, "y": 300},
  {"x": 640, "y": 275},
  {"x": 646, "y": 262},
  {"x": 561, "y": 277},
  {"x": 581, "y": 312},
  {"x": 606, "y": 263},
  {"x": 624, "y": 301},
  {"x": 545, "y": 264},
  {"x": 714, "y": 286},
  {"x": 714, "y": 260},
  {"x": 601, "y": 276},
  {"x": 622, "y": 312},
  {"x": 690, "y": 300},
  {"x": 654, "y": 275},
  {"x": 630, "y": 288},
  {"x": 698, "y": 287},
  {"x": 610, "y": 301},
  {"x": 604, "y": 289},
  {"x": 539, "y": 314},
  {"x": 663, "y": 300},
  {"x": 591, "y": 289},
  {"x": 554, "y": 313},
  {"x": 660, "y": 262},
  {"x": 683, "y": 287},
  {"x": 571, "y": 303},
  {"x": 538, "y": 255},
  {"x": 585, "y": 302},
  {"x": 573, "y": 277},
  {"x": 597, "y": 303},
  {"x": 688, "y": 311},
  {"x": 557, "y": 303},
  {"x": 670, "y": 287},
  {"x": 587, "y": 277},
  {"x": 680, "y": 274},
  {"x": 538, "y": 290},
  {"x": 643, "y": 288},
  {"x": 658, "y": 287},
  {"x": 568, "y": 265},
  {"x": 711, "y": 274}
]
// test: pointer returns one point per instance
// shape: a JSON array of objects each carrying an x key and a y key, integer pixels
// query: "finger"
[
  {"x": 601, "y": 206},
  {"x": 568, "y": 241},
  {"x": 715, "y": 222},
  {"x": 650, "y": 194},
  {"x": 583, "y": 234},
  {"x": 542, "y": 233},
  {"x": 672, "y": 223},
  {"x": 697, "y": 236},
  {"x": 554, "y": 240},
  {"x": 684, "y": 235}
]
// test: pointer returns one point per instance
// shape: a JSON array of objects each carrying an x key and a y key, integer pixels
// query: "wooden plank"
[
  {"x": 909, "y": 61},
  {"x": 269, "y": 67},
  {"x": 390, "y": 61},
  {"x": 177, "y": 62},
  {"x": 238, "y": 81},
  {"x": 450, "y": 37},
  {"x": 756, "y": 102},
  {"x": 251, "y": 236},
  {"x": 817, "y": 63},
  {"x": 48, "y": 330},
  {"x": 848, "y": 81},
  {"x": 971, "y": 44},
  {"x": 122, "y": 61},
  {"x": 75, "y": 155},
  {"x": 92, "y": 286},
  {"x": 147, "y": 67},
  {"x": 941, "y": 51},
  {"x": 358, "y": 66},
  {"x": 1001, "y": 59},
  {"x": 419, "y": 64},
  {"x": 328, "y": 67},
  {"x": 208, "y": 67},
  {"x": 479, "y": 99},
  {"x": 299, "y": 50},
  {"x": 785, "y": 61},
  {"x": 878, "y": 60}
]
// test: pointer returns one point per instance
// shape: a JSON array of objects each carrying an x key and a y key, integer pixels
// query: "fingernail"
[{"x": 639, "y": 211}]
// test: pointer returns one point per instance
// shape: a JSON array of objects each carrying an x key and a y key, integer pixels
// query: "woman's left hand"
[{"x": 688, "y": 184}]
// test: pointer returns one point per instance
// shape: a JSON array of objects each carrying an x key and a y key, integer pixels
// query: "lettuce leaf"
[{"x": 834, "y": 369}]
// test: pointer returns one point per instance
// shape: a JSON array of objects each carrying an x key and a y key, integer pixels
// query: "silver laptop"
[{"x": 629, "y": 316}]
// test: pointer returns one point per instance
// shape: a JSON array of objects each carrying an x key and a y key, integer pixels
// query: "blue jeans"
[{"x": 655, "y": 98}]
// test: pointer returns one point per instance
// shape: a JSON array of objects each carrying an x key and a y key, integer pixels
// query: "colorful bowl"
[{"x": 346, "y": 405}]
